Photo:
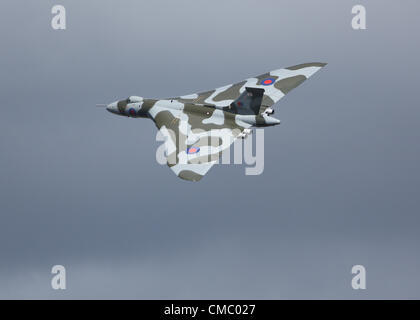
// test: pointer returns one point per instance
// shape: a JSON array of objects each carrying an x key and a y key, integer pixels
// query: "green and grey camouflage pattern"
[{"x": 199, "y": 127}]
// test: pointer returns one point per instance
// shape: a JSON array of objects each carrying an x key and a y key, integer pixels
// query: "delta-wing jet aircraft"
[{"x": 198, "y": 127}]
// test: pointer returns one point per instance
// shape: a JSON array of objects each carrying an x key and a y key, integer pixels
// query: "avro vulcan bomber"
[{"x": 198, "y": 127}]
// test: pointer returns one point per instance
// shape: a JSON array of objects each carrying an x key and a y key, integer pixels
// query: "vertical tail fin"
[{"x": 248, "y": 103}]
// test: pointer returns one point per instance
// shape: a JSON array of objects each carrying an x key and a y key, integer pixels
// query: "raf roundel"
[
  {"x": 267, "y": 81},
  {"x": 132, "y": 112},
  {"x": 193, "y": 150}
]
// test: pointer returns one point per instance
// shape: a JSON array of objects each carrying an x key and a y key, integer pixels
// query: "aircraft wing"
[
  {"x": 276, "y": 83},
  {"x": 195, "y": 137}
]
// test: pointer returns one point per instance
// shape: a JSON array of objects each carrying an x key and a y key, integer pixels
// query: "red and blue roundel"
[
  {"x": 193, "y": 150},
  {"x": 267, "y": 81},
  {"x": 132, "y": 112}
]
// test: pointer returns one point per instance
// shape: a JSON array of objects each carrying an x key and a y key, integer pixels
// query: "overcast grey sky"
[{"x": 81, "y": 187}]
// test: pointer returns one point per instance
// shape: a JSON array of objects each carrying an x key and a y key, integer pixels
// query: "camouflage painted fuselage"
[{"x": 198, "y": 127}]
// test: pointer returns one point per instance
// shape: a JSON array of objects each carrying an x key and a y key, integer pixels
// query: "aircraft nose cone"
[{"x": 112, "y": 107}]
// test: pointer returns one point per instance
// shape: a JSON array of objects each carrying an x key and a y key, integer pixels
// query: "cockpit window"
[{"x": 134, "y": 99}]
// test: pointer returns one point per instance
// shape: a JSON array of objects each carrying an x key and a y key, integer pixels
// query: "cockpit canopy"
[{"x": 134, "y": 99}]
